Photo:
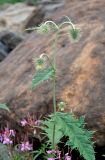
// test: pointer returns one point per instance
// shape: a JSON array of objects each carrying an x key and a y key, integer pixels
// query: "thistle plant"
[{"x": 60, "y": 124}]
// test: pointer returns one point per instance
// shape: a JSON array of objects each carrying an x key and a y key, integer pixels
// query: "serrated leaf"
[
  {"x": 79, "y": 137},
  {"x": 4, "y": 106},
  {"x": 67, "y": 125},
  {"x": 42, "y": 75},
  {"x": 50, "y": 124}
]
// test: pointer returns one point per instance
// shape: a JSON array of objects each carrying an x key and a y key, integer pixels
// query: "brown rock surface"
[{"x": 81, "y": 67}]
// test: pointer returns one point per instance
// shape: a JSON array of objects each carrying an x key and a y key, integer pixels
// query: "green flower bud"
[
  {"x": 74, "y": 33},
  {"x": 61, "y": 106},
  {"x": 43, "y": 28},
  {"x": 39, "y": 64}
]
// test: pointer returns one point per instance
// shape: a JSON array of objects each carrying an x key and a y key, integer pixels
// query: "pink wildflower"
[
  {"x": 37, "y": 122},
  {"x": 12, "y": 132},
  {"x": 25, "y": 146},
  {"x": 67, "y": 157},
  {"x": 6, "y": 136},
  {"x": 7, "y": 140},
  {"x": 50, "y": 151},
  {"x": 1, "y": 138},
  {"x": 24, "y": 122}
]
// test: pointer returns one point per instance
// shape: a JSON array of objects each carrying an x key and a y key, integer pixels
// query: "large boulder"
[
  {"x": 8, "y": 41},
  {"x": 3, "y": 51},
  {"x": 81, "y": 67},
  {"x": 17, "y": 17}
]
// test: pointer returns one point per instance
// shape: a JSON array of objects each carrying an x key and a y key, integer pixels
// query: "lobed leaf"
[
  {"x": 42, "y": 75},
  {"x": 66, "y": 125},
  {"x": 79, "y": 137}
]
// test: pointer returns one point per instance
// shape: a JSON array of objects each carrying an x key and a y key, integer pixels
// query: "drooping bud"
[
  {"x": 39, "y": 64},
  {"x": 43, "y": 28},
  {"x": 74, "y": 34},
  {"x": 61, "y": 106}
]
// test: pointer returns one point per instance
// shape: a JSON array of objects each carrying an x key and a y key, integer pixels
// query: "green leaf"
[
  {"x": 42, "y": 75},
  {"x": 4, "y": 106},
  {"x": 51, "y": 124},
  {"x": 67, "y": 125},
  {"x": 79, "y": 137}
]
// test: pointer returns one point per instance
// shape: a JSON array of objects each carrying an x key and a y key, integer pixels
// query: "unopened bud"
[
  {"x": 74, "y": 33},
  {"x": 43, "y": 28},
  {"x": 39, "y": 64},
  {"x": 61, "y": 106}
]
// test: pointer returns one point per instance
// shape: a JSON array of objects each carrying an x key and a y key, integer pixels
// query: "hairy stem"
[
  {"x": 53, "y": 144},
  {"x": 54, "y": 84},
  {"x": 45, "y": 55},
  {"x": 54, "y": 94},
  {"x": 67, "y": 23},
  {"x": 53, "y": 24}
]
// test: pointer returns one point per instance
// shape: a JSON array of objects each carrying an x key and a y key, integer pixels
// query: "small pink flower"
[
  {"x": 24, "y": 122},
  {"x": 51, "y": 158},
  {"x": 25, "y": 146},
  {"x": 12, "y": 132},
  {"x": 6, "y": 136},
  {"x": 50, "y": 151},
  {"x": 37, "y": 122},
  {"x": 67, "y": 157},
  {"x": 1, "y": 138},
  {"x": 7, "y": 140}
]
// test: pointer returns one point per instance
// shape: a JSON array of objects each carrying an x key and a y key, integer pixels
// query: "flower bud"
[
  {"x": 74, "y": 33},
  {"x": 43, "y": 28},
  {"x": 61, "y": 106},
  {"x": 39, "y": 64}
]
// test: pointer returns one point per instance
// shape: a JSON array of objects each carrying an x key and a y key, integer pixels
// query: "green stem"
[
  {"x": 54, "y": 65},
  {"x": 54, "y": 78},
  {"x": 54, "y": 85},
  {"x": 45, "y": 55},
  {"x": 54, "y": 94},
  {"x": 53, "y": 144},
  {"x": 53, "y": 24},
  {"x": 67, "y": 23}
]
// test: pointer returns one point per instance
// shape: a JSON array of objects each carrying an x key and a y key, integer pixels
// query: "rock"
[
  {"x": 81, "y": 67},
  {"x": 36, "y": 18},
  {"x": 47, "y": 6},
  {"x": 4, "y": 6},
  {"x": 3, "y": 51},
  {"x": 50, "y": 7},
  {"x": 16, "y": 17},
  {"x": 10, "y": 39},
  {"x": 4, "y": 153}
]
